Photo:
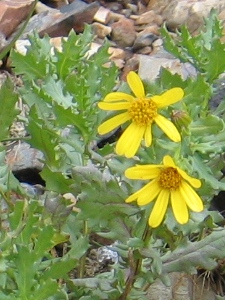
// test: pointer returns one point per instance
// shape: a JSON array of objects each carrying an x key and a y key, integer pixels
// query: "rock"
[
  {"x": 149, "y": 66},
  {"x": 159, "y": 5},
  {"x": 157, "y": 45},
  {"x": 102, "y": 15},
  {"x": 114, "y": 6},
  {"x": 183, "y": 287},
  {"x": 60, "y": 22},
  {"x": 101, "y": 30},
  {"x": 190, "y": 13},
  {"x": 13, "y": 13},
  {"x": 144, "y": 39},
  {"x": 133, "y": 8},
  {"x": 22, "y": 156},
  {"x": 123, "y": 32},
  {"x": 131, "y": 65},
  {"x": 150, "y": 17}
]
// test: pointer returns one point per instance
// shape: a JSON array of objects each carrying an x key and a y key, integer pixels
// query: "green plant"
[{"x": 62, "y": 90}]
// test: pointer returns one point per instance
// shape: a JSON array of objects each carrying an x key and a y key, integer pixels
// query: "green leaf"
[
  {"x": 206, "y": 126},
  {"x": 8, "y": 111},
  {"x": 189, "y": 256},
  {"x": 55, "y": 89},
  {"x": 78, "y": 248},
  {"x": 70, "y": 117},
  {"x": 16, "y": 216},
  {"x": 44, "y": 242},
  {"x": 205, "y": 173},
  {"x": 36, "y": 64},
  {"x": 7, "y": 297},
  {"x": 47, "y": 288},
  {"x": 204, "y": 51},
  {"x": 43, "y": 139},
  {"x": 56, "y": 181},
  {"x": 73, "y": 51},
  {"x": 24, "y": 263},
  {"x": 59, "y": 269}
]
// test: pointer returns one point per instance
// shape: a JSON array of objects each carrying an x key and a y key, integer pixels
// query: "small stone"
[
  {"x": 102, "y": 15},
  {"x": 123, "y": 32},
  {"x": 133, "y": 8},
  {"x": 116, "y": 53},
  {"x": 101, "y": 30},
  {"x": 145, "y": 50},
  {"x": 114, "y": 17},
  {"x": 114, "y": 6},
  {"x": 141, "y": 8},
  {"x": 157, "y": 45},
  {"x": 144, "y": 39},
  {"x": 131, "y": 65},
  {"x": 150, "y": 17}
]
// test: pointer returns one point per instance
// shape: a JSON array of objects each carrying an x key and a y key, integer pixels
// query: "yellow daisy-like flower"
[
  {"x": 142, "y": 111},
  {"x": 169, "y": 182}
]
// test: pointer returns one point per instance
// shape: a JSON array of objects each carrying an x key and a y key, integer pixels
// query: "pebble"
[{"x": 123, "y": 32}]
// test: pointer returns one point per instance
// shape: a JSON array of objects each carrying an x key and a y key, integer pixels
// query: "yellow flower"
[
  {"x": 142, "y": 111},
  {"x": 169, "y": 182}
]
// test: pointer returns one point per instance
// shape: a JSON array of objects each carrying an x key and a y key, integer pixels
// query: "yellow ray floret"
[
  {"x": 169, "y": 183},
  {"x": 141, "y": 112}
]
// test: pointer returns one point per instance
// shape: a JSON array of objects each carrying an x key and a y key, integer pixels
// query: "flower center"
[
  {"x": 143, "y": 111},
  {"x": 169, "y": 178}
]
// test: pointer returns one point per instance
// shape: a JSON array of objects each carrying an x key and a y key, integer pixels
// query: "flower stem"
[
  {"x": 135, "y": 264},
  {"x": 81, "y": 270}
]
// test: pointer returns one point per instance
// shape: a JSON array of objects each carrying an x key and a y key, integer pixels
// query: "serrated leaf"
[
  {"x": 46, "y": 289},
  {"x": 59, "y": 269},
  {"x": 204, "y": 51},
  {"x": 56, "y": 181},
  {"x": 204, "y": 173},
  {"x": 69, "y": 117},
  {"x": 8, "y": 111},
  {"x": 78, "y": 248},
  {"x": 206, "y": 126},
  {"x": 7, "y": 297},
  {"x": 36, "y": 63},
  {"x": 189, "y": 256},
  {"x": 16, "y": 216},
  {"x": 25, "y": 265},
  {"x": 44, "y": 242},
  {"x": 55, "y": 89},
  {"x": 73, "y": 50},
  {"x": 43, "y": 139}
]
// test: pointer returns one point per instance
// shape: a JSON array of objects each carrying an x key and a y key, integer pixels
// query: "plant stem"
[
  {"x": 135, "y": 265},
  {"x": 81, "y": 270}
]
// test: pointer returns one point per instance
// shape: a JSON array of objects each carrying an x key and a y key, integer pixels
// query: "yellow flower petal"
[
  {"x": 168, "y": 161},
  {"x": 135, "y": 84},
  {"x": 118, "y": 96},
  {"x": 130, "y": 140},
  {"x": 113, "y": 106},
  {"x": 159, "y": 209},
  {"x": 196, "y": 183},
  {"x": 134, "y": 196},
  {"x": 169, "y": 97},
  {"x": 112, "y": 123},
  {"x": 168, "y": 127},
  {"x": 148, "y": 136},
  {"x": 191, "y": 198},
  {"x": 179, "y": 207},
  {"x": 148, "y": 193},
  {"x": 143, "y": 172}
]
